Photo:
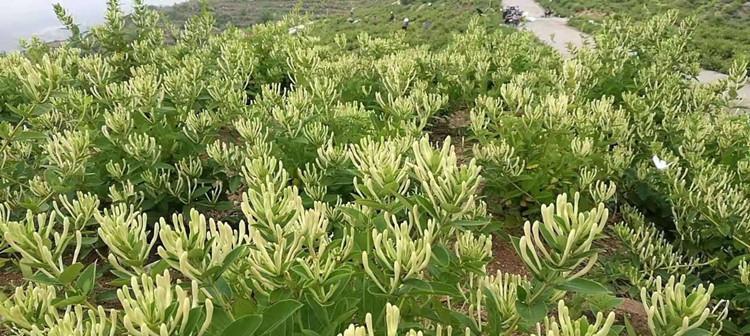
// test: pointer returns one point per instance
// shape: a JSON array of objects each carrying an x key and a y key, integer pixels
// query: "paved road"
[{"x": 558, "y": 34}]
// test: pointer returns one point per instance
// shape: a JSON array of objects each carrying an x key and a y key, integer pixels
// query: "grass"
[{"x": 722, "y": 27}]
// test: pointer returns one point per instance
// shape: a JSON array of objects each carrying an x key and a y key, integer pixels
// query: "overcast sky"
[{"x": 24, "y": 18}]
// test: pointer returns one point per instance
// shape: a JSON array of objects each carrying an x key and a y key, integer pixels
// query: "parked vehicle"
[{"x": 513, "y": 15}]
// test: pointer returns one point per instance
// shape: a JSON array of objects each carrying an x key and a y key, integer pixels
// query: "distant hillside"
[
  {"x": 244, "y": 13},
  {"x": 432, "y": 22}
]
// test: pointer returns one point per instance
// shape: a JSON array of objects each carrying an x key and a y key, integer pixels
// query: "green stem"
[
  {"x": 537, "y": 293},
  {"x": 86, "y": 301},
  {"x": 222, "y": 302},
  {"x": 12, "y": 134}
]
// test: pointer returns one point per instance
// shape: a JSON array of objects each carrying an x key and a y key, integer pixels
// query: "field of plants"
[
  {"x": 248, "y": 13},
  {"x": 276, "y": 180},
  {"x": 722, "y": 27}
]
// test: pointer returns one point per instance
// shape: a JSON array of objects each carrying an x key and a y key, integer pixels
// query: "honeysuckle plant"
[
  {"x": 649, "y": 253},
  {"x": 673, "y": 309},
  {"x": 29, "y": 306},
  {"x": 564, "y": 325},
  {"x": 125, "y": 232},
  {"x": 560, "y": 248},
  {"x": 154, "y": 306},
  {"x": 80, "y": 322}
]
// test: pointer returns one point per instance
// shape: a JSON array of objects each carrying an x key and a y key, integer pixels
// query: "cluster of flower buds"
[
  {"x": 744, "y": 271},
  {"x": 383, "y": 173},
  {"x": 199, "y": 245},
  {"x": 143, "y": 148},
  {"x": 497, "y": 296},
  {"x": 79, "y": 321},
  {"x": 654, "y": 253},
  {"x": 560, "y": 247},
  {"x": 125, "y": 231},
  {"x": 413, "y": 110},
  {"x": 399, "y": 256},
  {"x": 29, "y": 306},
  {"x": 673, "y": 310},
  {"x": 325, "y": 255},
  {"x": 40, "y": 240},
  {"x": 155, "y": 306},
  {"x": 602, "y": 192},
  {"x": 581, "y": 147},
  {"x": 392, "y": 322},
  {"x": 566, "y": 326},
  {"x": 502, "y": 156},
  {"x": 450, "y": 187},
  {"x": 710, "y": 197},
  {"x": 269, "y": 203},
  {"x": 82, "y": 209},
  {"x": 68, "y": 152},
  {"x": 471, "y": 248},
  {"x": 397, "y": 74}
]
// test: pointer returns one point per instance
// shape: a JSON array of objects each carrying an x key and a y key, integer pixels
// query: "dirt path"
[{"x": 556, "y": 33}]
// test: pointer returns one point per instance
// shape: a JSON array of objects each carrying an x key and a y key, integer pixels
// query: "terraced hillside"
[
  {"x": 377, "y": 18},
  {"x": 246, "y": 13}
]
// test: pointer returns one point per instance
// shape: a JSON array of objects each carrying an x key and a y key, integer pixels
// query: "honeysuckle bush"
[
  {"x": 165, "y": 181},
  {"x": 616, "y": 115}
]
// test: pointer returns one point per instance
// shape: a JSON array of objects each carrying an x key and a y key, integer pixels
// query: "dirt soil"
[
  {"x": 505, "y": 258},
  {"x": 9, "y": 279},
  {"x": 454, "y": 126}
]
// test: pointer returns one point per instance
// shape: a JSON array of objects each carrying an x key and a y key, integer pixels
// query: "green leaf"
[
  {"x": 70, "y": 273},
  {"x": 88, "y": 241},
  {"x": 235, "y": 183},
  {"x": 584, "y": 286},
  {"x": 244, "y": 326},
  {"x": 531, "y": 314},
  {"x": 463, "y": 320},
  {"x": 629, "y": 327},
  {"x": 616, "y": 330},
  {"x": 466, "y": 223},
  {"x": 87, "y": 280},
  {"x": 64, "y": 302},
  {"x": 41, "y": 109},
  {"x": 372, "y": 204},
  {"x": 441, "y": 256},
  {"x": 230, "y": 259},
  {"x": 425, "y": 204},
  {"x": 698, "y": 332},
  {"x": 603, "y": 302},
  {"x": 158, "y": 267},
  {"x": 243, "y": 306},
  {"x": 29, "y": 135},
  {"x": 41, "y": 278},
  {"x": 421, "y": 287},
  {"x": 109, "y": 295},
  {"x": 222, "y": 287},
  {"x": 277, "y": 314},
  {"x": 219, "y": 322},
  {"x": 341, "y": 318},
  {"x": 196, "y": 317}
]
